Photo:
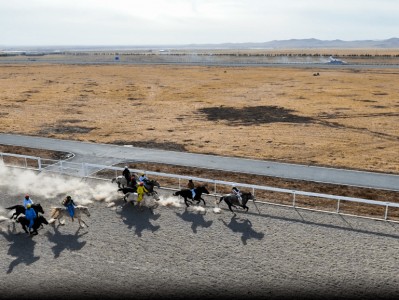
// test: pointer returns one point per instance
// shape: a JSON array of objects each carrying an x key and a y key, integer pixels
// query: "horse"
[
  {"x": 39, "y": 221},
  {"x": 58, "y": 213},
  {"x": 132, "y": 198},
  {"x": 149, "y": 185},
  {"x": 187, "y": 194},
  {"x": 120, "y": 180},
  {"x": 20, "y": 209},
  {"x": 232, "y": 200}
]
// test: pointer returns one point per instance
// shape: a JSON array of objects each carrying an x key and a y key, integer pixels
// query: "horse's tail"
[
  {"x": 12, "y": 207},
  {"x": 113, "y": 179},
  {"x": 221, "y": 199}
]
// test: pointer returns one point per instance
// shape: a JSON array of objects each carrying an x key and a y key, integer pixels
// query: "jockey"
[
  {"x": 140, "y": 192},
  {"x": 143, "y": 178},
  {"x": 31, "y": 215},
  {"x": 127, "y": 175},
  {"x": 70, "y": 205},
  {"x": 191, "y": 186},
  {"x": 237, "y": 192},
  {"x": 27, "y": 200}
]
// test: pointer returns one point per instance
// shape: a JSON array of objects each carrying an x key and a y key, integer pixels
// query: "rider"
[
  {"x": 143, "y": 178},
  {"x": 31, "y": 215},
  {"x": 140, "y": 192},
  {"x": 70, "y": 205},
  {"x": 191, "y": 186},
  {"x": 27, "y": 200},
  {"x": 237, "y": 192},
  {"x": 127, "y": 175}
]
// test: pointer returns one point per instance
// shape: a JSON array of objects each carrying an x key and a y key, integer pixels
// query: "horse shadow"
[
  {"x": 65, "y": 241},
  {"x": 245, "y": 227},
  {"x": 196, "y": 220},
  {"x": 21, "y": 246},
  {"x": 133, "y": 216}
]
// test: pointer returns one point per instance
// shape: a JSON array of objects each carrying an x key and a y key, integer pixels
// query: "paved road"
[{"x": 111, "y": 154}]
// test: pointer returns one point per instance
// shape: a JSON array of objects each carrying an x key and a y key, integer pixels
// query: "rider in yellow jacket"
[{"x": 140, "y": 192}]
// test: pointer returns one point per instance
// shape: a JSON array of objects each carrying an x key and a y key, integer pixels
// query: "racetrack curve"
[{"x": 184, "y": 253}]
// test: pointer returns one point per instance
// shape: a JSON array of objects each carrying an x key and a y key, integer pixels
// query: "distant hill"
[
  {"x": 305, "y": 43},
  {"x": 277, "y": 44}
]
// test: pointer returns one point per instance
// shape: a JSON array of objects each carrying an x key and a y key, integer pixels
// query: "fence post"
[
  {"x": 386, "y": 212},
  {"x": 61, "y": 167},
  {"x": 293, "y": 200},
  {"x": 39, "y": 163},
  {"x": 338, "y": 205}
]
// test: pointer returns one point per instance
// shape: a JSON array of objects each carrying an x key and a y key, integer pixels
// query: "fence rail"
[{"x": 96, "y": 171}]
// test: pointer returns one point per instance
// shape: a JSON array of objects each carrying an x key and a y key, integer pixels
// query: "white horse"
[
  {"x": 120, "y": 180},
  {"x": 149, "y": 200},
  {"x": 57, "y": 213}
]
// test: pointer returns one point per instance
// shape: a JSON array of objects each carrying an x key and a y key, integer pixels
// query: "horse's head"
[
  {"x": 85, "y": 210},
  {"x": 155, "y": 183},
  {"x": 204, "y": 189},
  {"x": 39, "y": 208}
]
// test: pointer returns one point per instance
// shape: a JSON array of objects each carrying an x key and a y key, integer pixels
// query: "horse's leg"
[
  {"x": 202, "y": 201},
  {"x": 186, "y": 201}
]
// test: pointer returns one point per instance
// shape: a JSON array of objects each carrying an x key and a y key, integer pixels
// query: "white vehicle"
[{"x": 335, "y": 61}]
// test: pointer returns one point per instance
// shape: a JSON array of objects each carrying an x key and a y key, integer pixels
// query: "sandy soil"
[{"x": 185, "y": 253}]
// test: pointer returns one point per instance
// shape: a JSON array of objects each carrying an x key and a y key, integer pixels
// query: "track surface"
[{"x": 183, "y": 253}]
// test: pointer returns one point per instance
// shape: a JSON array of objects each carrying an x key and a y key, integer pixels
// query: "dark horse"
[
  {"x": 20, "y": 209},
  {"x": 232, "y": 200},
  {"x": 149, "y": 185},
  {"x": 39, "y": 221},
  {"x": 187, "y": 194}
]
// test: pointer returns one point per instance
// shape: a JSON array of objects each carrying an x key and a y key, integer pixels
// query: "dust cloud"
[{"x": 43, "y": 185}]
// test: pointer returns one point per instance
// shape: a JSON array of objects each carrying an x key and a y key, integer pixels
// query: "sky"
[{"x": 181, "y": 22}]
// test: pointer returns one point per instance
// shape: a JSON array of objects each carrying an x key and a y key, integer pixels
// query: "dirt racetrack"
[{"x": 181, "y": 253}]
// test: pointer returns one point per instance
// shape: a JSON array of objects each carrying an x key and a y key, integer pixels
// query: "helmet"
[
  {"x": 125, "y": 167},
  {"x": 28, "y": 206},
  {"x": 142, "y": 174},
  {"x": 27, "y": 196},
  {"x": 141, "y": 183},
  {"x": 68, "y": 197},
  {"x": 190, "y": 180}
]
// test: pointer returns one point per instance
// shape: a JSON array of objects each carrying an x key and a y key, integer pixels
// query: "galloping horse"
[
  {"x": 232, "y": 200},
  {"x": 39, "y": 221},
  {"x": 20, "y": 209},
  {"x": 146, "y": 201},
  {"x": 149, "y": 185},
  {"x": 187, "y": 194},
  {"x": 58, "y": 213},
  {"x": 120, "y": 180}
]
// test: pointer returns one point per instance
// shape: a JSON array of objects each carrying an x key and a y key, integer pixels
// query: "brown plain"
[{"x": 343, "y": 118}]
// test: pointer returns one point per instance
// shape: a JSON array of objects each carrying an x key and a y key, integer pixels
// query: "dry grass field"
[{"x": 344, "y": 118}]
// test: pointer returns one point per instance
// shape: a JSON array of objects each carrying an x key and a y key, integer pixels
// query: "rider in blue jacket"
[
  {"x": 70, "y": 205},
  {"x": 31, "y": 215}
]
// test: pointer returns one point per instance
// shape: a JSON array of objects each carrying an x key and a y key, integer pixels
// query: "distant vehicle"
[{"x": 336, "y": 61}]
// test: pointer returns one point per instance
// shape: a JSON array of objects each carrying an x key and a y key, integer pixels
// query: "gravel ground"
[{"x": 180, "y": 253}]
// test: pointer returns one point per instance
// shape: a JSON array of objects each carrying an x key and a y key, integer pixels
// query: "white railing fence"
[{"x": 102, "y": 172}]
